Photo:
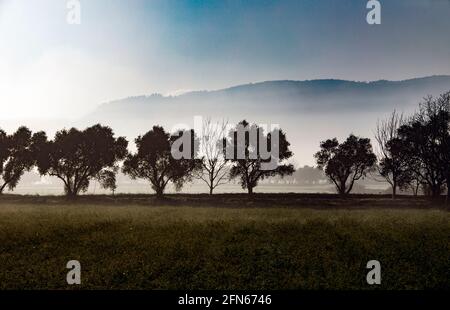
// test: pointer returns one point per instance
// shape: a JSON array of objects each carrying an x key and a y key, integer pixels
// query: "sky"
[{"x": 52, "y": 69}]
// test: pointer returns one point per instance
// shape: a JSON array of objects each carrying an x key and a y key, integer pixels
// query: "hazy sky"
[{"x": 125, "y": 48}]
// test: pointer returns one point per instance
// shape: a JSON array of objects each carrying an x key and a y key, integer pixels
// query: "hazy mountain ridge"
[{"x": 300, "y": 96}]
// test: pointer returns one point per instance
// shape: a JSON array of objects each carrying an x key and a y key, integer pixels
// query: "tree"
[
  {"x": 400, "y": 167},
  {"x": 418, "y": 146},
  {"x": 215, "y": 168},
  {"x": 436, "y": 111},
  {"x": 414, "y": 184},
  {"x": 154, "y": 161},
  {"x": 16, "y": 156},
  {"x": 393, "y": 167},
  {"x": 426, "y": 142},
  {"x": 107, "y": 179},
  {"x": 251, "y": 161},
  {"x": 76, "y": 157},
  {"x": 347, "y": 162}
]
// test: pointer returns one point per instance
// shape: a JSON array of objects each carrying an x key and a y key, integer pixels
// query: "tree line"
[
  {"x": 413, "y": 154},
  {"x": 77, "y": 157}
]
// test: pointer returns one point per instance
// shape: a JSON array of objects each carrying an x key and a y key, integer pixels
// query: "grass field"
[{"x": 307, "y": 242}]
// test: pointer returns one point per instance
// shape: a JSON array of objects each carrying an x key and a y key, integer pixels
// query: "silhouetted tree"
[
  {"x": 407, "y": 167},
  {"x": 347, "y": 162},
  {"x": 251, "y": 161},
  {"x": 16, "y": 156},
  {"x": 76, "y": 157},
  {"x": 392, "y": 165},
  {"x": 107, "y": 179},
  {"x": 396, "y": 167},
  {"x": 154, "y": 161},
  {"x": 215, "y": 168},
  {"x": 426, "y": 141}
]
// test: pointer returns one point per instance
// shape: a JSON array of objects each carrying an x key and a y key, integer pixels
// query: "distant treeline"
[
  {"x": 77, "y": 157},
  {"x": 413, "y": 154}
]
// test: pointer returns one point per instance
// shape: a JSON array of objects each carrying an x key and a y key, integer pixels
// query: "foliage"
[
  {"x": 249, "y": 167},
  {"x": 16, "y": 156},
  {"x": 425, "y": 141},
  {"x": 347, "y": 162},
  {"x": 154, "y": 162},
  {"x": 76, "y": 157}
]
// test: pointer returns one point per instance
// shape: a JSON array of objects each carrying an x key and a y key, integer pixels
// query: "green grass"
[{"x": 185, "y": 247}]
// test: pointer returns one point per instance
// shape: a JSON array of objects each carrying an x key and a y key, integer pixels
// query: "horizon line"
[{"x": 158, "y": 94}]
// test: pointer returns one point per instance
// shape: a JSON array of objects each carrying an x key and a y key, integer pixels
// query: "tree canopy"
[
  {"x": 76, "y": 157},
  {"x": 16, "y": 156},
  {"x": 154, "y": 161},
  {"x": 425, "y": 142},
  {"x": 251, "y": 159},
  {"x": 347, "y": 162}
]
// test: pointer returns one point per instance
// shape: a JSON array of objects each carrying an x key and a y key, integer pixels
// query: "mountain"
[{"x": 309, "y": 111}]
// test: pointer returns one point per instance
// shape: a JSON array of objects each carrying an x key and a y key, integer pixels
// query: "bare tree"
[
  {"x": 215, "y": 169},
  {"x": 392, "y": 167}
]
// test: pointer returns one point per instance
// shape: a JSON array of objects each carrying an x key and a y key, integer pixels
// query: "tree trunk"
[
  {"x": 250, "y": 190},
  {"x": 415, "y": 188},
  {"x": 68, "y": 191},
  {"x": 159, "y": 192},
  {"x": 447, "y": 198},
  {"x": 71, "y": 194},
  {"x": 211, "y": 182},
  {"x": 3, "y": 188},
  {"x": 342, "y": 189},
  {"x": 435, "y": 192},
  {"x": 394, "y": 190}
]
